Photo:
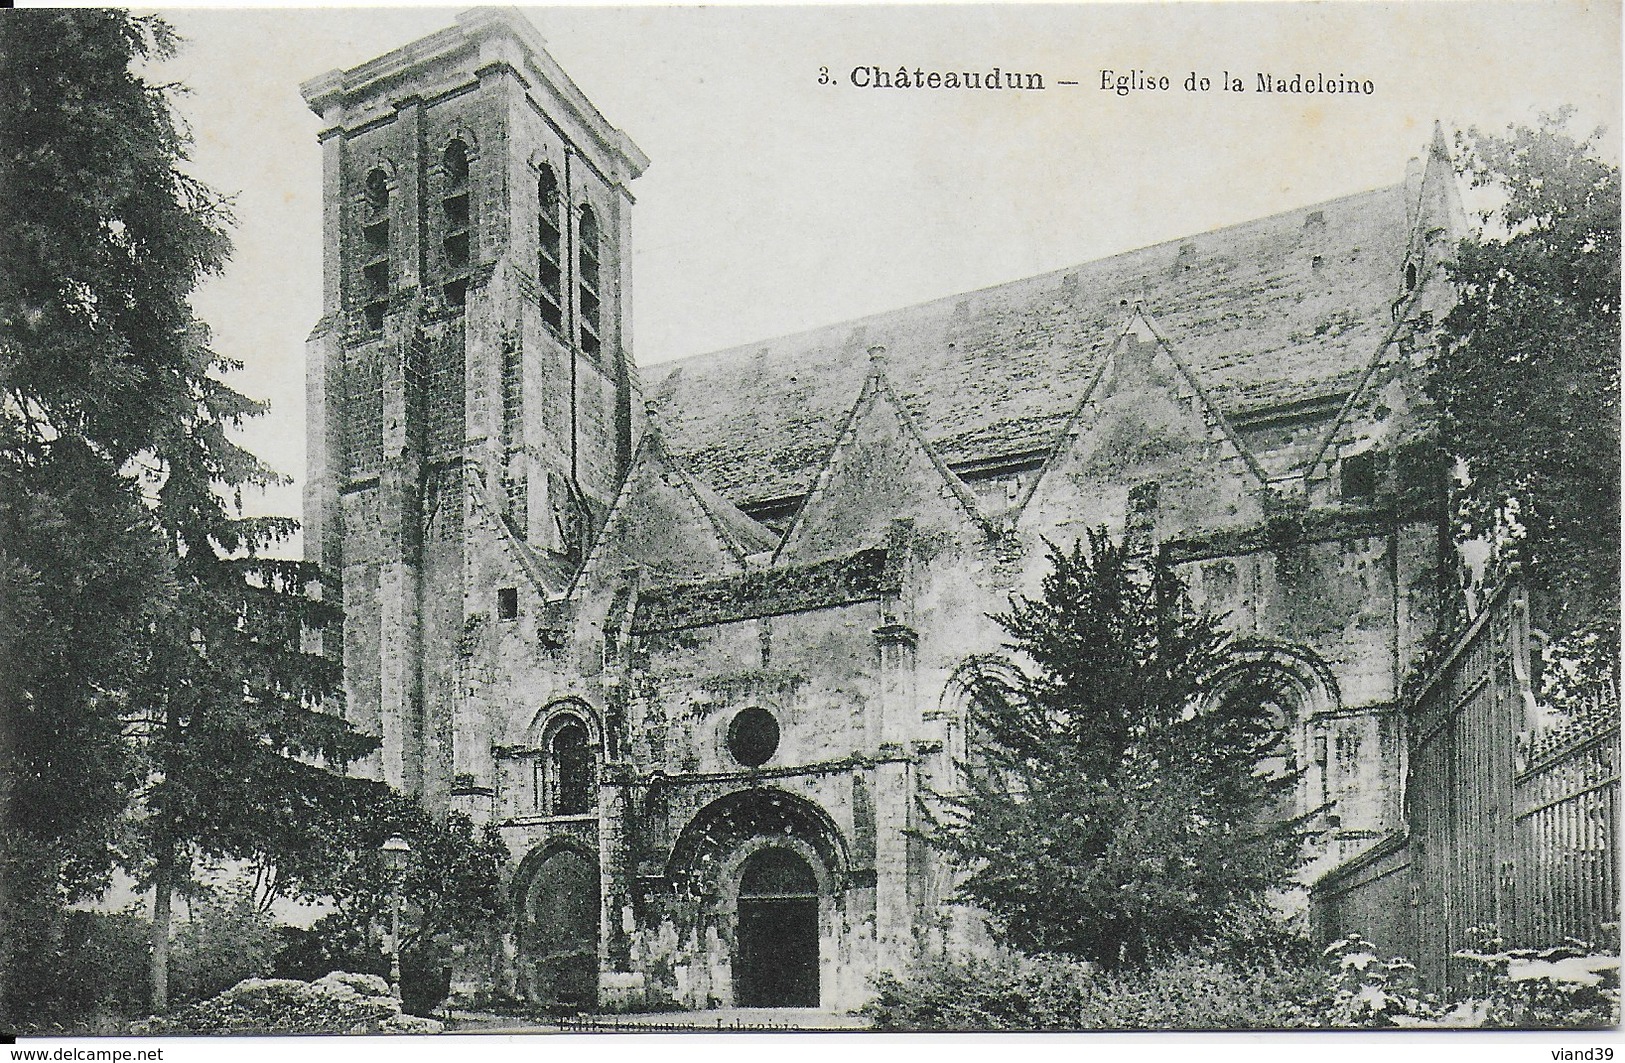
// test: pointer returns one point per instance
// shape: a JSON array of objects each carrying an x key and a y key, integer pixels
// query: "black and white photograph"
[{"x": 556, "y": 521}]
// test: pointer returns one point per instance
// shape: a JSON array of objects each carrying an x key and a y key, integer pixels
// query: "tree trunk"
[{"x": 163, "y": 888}]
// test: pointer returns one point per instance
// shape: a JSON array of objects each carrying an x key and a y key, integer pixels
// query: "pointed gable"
[
  {"x": 1144, "y": 448},
  {"x": 671, "y": 525},
  {"x": 1379, "y": 432},
  {"x": 880, "y": 470},
  {"x": 514, "y": 557}
]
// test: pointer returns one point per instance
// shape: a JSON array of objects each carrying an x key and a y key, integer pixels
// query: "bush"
[
  {"x": 339, "y": 1003},
  {"x": 1364, "y": 990},
  {"x": 1190, "y": 992},
  {"x": 225, "y": 940},
  {"x": 425, "y": 980},
  {"x": 80, "y": 973},
  {"x": 101, "y": 970},
  {"x": 330, "y": 945},
  {"x": 1573, "y": 986}
]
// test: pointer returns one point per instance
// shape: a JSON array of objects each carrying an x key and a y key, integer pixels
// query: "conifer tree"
[
  {"x": 102, "y": 239},
  {"x": 158, "y": 702},
  {"x": 1113, "y": 808},
  {"x": 237, "y": 737}
]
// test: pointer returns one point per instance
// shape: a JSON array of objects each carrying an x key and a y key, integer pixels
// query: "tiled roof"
[{"x": 1268, "y": 312}]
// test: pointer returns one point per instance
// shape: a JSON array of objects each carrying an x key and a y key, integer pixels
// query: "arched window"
[
  {"x": 989, "y": 703},
  {"x": 456, "y": 163},
  {"x": 375, "y": 249},
  {"x": 587, "y": 272},
  {"x": 1293, "y": 687},
  {"x": 565, "y": 765},
  {"x": 570, "y": 763},
  {"x": 454, "y": 206},
  {"x": 549, "y": 268},
  {"x": 377, "y": 192},
  {"x": 979, "y": 695},
  {"x": 1276, "y": 696},
  {"x": 1140, "y": 522}
]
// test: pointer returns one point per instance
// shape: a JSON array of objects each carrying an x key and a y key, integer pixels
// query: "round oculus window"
[{"x": 753, "y": 737}]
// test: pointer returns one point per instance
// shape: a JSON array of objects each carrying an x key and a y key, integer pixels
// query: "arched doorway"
[
  {"x": 776, "y": 947},
  {"x": 558, "y": 930},
  {"x": 759, "y": 877}
]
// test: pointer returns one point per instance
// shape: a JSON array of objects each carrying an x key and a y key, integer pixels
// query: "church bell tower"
[{"x": 470, "y": 389}]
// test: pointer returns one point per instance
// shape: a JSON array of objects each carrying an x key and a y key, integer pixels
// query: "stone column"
[{"x": 893, "y": 792}]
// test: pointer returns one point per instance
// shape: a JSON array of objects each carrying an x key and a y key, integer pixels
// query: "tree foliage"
[
  {"x": 452, "y": 893},
  {"x": 454, "y": 878},
  {"x": 225, "y": 938},
  {"x": 1113, "y": 809},
  {"x": 1526, "y": 383},
  {"x": 102, "y": 239},
  {"x": 106, "y": 236},
  {"x": 160, "y": 654}
]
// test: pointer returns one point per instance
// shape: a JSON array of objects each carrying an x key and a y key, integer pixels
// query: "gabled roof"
[
  {"x": 1140, "y": 334},
  {"x": 671, "y": 524},
  {"x": 1269, "y": 312},
  {"x": 544, "y": 572},
  {"x": 879, "y": 470},
  {"x": 1144, "y": 422}
]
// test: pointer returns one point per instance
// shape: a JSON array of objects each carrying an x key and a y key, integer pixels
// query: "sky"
[{"x": 776, "y": 203}]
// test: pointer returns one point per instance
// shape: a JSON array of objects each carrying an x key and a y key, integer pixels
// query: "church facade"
[{"x": 699, "y": 640}]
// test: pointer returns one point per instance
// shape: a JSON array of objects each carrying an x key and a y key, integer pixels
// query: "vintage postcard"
[{"x": 1071, "y": 517}]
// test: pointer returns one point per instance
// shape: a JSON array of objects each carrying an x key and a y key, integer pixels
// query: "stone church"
[{"x": 697, "y": 639}]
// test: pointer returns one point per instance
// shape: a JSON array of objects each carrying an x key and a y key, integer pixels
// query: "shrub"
[
  {"x": 338, "y": 1003},
  {"x": 332, "y": 944},
  {"x": 1188, "y": 992},
  {"x": 225, "y": 940},
  {"x": 81, "y": 972},
  {"x": 1573, "y": 986},
  {"x": 451, "y": 897},
  {"x": 97, "y": 974},
  {"x": 425, "y": 979},
  {"x": 1365, "y": 990}
]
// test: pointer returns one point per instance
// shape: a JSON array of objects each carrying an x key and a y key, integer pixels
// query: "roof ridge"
[
  {"x": 867, "y": 395},
  {"x": 848, "y": 323},
  {"x": 967, "y": 500},
  {"x": 1226, "y": 430},
  {"x": 652, "y": 450},
  {"x": 708, "y": 499}
]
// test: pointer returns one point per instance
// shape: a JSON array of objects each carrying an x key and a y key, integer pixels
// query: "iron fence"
[{"x": 1511, "y": 816}]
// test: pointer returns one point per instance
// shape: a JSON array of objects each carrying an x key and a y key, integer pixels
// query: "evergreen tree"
[
  {"x": 1526, "y": 383},
  {"x": 1113, "y": 808},
  {"x": 238, "y": 740},
  {"x": 102, "y": 239},
  {"x": 154, "y": 653}
]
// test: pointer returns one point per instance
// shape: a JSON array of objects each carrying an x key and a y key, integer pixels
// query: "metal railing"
[{"x": 1511, "y": 815}]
